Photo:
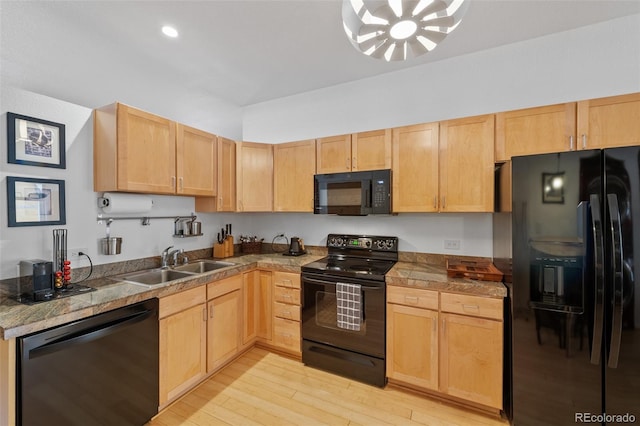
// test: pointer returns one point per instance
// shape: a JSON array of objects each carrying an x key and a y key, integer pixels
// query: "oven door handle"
[{"x": 322, "y": 282}]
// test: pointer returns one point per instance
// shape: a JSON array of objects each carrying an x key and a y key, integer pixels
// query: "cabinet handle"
[
  {"x": 411, "y": 299},
  {"x": 435, "y": 201},
  {"x": 204, "y": 314},
  {"x": 444, "y": 325},
  {"x": 470, "y": 307},
  {"x": 220, "y": 202},
  {"x": 211, "y": 311},
  {"x": 570, "y": 143},
  {"x": 444, "y": 202},
  {"x": 287, "y": 335},
  {"x": 287, "y": 313},
  {"x": 354, "y": 164},
  {"x": 173, "y": 182},
  {"x": 286, "y": 296},
  {"x": 348, "y": 163},
  {"x": 584, "y": 141},
  {"x": 435, "y": 325},
  {"x": 181, "y": 182}
]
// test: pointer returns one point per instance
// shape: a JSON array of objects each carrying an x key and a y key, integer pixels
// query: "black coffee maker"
[{"x": 36, "y": 280}]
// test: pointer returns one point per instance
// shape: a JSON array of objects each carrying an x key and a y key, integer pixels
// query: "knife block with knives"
[{"x": 224, "y": 245}]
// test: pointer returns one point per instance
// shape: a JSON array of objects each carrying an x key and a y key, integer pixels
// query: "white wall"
[
  {"x": 589, "y": 62},
  {"x": 599, "y": 60}
]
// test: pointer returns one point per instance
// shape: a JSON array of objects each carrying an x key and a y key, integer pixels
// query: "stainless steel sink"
[
  {"x": 155, "y": 276},
  {"x": 202, "y": 266}
]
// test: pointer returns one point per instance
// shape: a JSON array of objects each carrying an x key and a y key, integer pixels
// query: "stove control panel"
[{"x": 363, "y": 242}]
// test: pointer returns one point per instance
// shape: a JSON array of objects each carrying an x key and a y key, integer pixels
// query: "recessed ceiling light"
[{"x": 169, "y": 31}]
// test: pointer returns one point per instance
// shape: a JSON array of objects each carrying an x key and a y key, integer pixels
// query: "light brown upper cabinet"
[
  {"x": 535, "y": 131},
  {"x": 225, "y": 201},
  {"x": 609, "y": 122},
  {"x": 467, "y": 164},
  {"x": 254, "y": 177},
  {"x": 294, "y": 165},
  {"x": 415, "y": 168},
  {"x": 135, "y": 151},
  {"x": 355, "y": 152},
  {"x": 195, "y": 161}
]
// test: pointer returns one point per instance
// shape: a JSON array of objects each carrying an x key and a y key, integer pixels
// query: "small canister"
[{"x": 196, "y": 228}]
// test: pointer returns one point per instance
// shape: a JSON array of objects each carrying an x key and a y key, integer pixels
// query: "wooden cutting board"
[{"x": 474, "y": 270}]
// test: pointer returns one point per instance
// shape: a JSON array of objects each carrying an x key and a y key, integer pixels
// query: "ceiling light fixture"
[
  {"x": 396, "y": 30},
  {"x": 169, "y": 31}
]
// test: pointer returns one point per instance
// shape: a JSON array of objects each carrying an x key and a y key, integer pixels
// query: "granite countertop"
[
  {"x": 434, "y": 277},
  {"x": 18, "y": 319}
]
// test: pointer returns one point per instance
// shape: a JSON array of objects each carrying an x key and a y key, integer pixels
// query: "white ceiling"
[{"x": 243, "y": 51}]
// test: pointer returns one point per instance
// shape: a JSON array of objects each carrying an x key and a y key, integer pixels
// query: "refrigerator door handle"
[
  {"x": 617, "y": 261},
  {"x": 598, "y": 260}
]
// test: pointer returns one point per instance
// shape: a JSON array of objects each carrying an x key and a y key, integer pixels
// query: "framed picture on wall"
[
  {"x": 34, "y": 201},
  {"x": 35, "y": 142}
]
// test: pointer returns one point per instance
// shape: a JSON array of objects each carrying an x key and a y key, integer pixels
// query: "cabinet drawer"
[
  {"x": 179, "y": 302},
  {"x": 223, "y": 286},
  {"x": 287, "y": 295},
  {"x": 283, "y": 310},
  {"x": 472, "y": 305},
  {"x": 286, "y": 334},
  {"x": 286, "y": 279},
  {"x": 419, "y": 298}
]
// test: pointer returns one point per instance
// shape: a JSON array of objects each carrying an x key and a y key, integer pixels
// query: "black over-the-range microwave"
[{"x": 353, "y": 194}]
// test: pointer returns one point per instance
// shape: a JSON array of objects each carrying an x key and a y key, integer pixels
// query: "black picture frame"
[
  {"x": 553, "y": 188},
  {"x": 35, "y": 142},
  {"x": 35, "y": 201}
]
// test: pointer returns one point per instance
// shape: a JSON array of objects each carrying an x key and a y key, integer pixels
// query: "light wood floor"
[{"x": 263, "y": 388}]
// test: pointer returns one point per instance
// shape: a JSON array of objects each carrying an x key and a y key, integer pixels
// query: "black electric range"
[
  {"x": 343, "y": 307},
  {"x": 356, "y": 256}
]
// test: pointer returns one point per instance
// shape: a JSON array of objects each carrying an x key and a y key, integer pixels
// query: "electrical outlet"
[
  {"x": 452, "y": 244},
  {"x": 74, "y": 253}
]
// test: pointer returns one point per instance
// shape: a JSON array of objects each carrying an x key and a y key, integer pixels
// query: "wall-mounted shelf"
[
  {"x": 186, "y": 236},
  {"x": 146, "y": 220}
]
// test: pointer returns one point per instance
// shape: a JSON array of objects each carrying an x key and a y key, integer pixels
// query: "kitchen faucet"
[{"x": 166, "y": 255}]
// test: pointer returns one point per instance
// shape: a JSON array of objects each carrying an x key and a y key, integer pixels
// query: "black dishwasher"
[{"x": 101, "y": 370}]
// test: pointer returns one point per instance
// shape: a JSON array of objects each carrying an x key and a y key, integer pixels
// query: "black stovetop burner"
[{"x": 357, "y": 256}]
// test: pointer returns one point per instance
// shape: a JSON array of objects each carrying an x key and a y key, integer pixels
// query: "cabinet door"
[
  {"x": 145, "y": 155},
  {"x": 535, "y": 131},
  {"x": 471, "y": 359},
  {"x": 250, "y": 296},
  {"x": 333, "y": 154},
  {"x": 223, "y": 329},
  {"x": 225, "y": 200},
  {"x": 226, "y": 175},
  {"x": 294, "y": 165},
  {"x": 467, "y": 164},
  {"x": 609, "y": 122},
  {"x": 415, "y": 168},
  {"x": 254, "y": 180},
  {"x": 371, "y": 150},
  {"x": 182, "y": 351},
  {"x": 412, "y": 345},
  {"x": 265, "y": 307},
  {"x": 195, "y": 162}
]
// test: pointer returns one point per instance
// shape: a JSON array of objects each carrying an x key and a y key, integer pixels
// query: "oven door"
[{"x": 320, "y": 315}]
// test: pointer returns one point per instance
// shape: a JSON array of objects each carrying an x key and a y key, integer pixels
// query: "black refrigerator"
[{"x": 575, "y": 299}]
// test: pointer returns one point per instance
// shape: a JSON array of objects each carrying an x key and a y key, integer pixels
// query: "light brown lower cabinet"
[
  {"x": 224, "y": 321},
  {"x": 471, "y": 359},
  {"x": 183, "y": 337},
  {"x": 256, "y": 288},
  {"x": 412, "y": 345},
  {"x": 200, "y": 331},
  {"x": 278, "y": 310},
  {"x": 447, "y": 343}
]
